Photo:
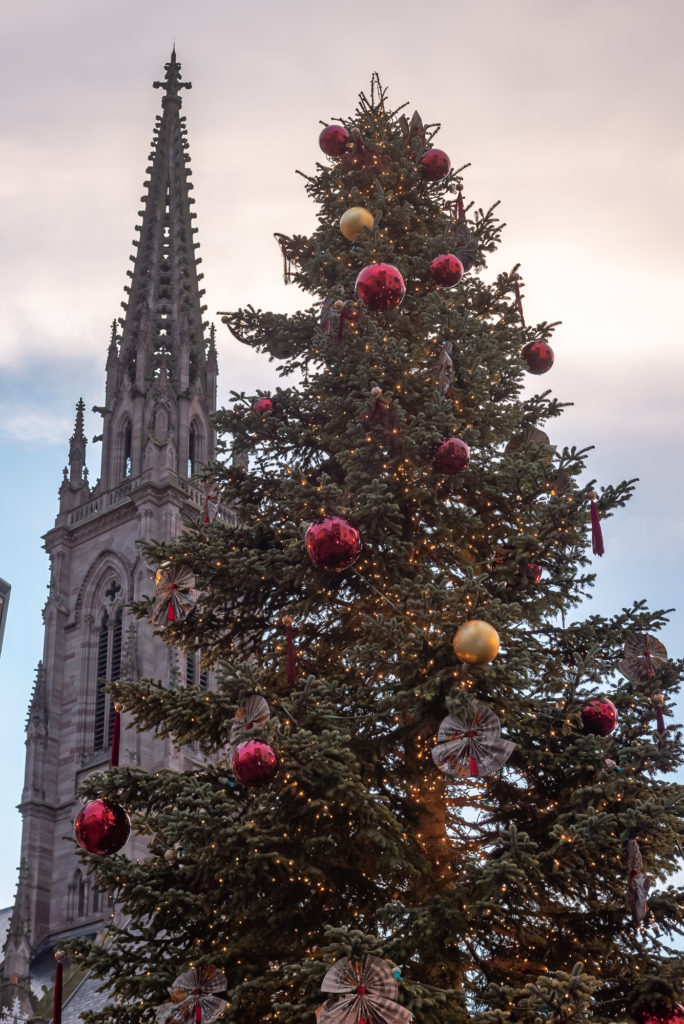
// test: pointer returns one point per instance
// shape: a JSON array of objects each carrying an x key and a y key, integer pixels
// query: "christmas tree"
[{"x": 414, "y": 793}]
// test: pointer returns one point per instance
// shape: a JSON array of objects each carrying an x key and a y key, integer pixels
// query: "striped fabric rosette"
[
  {"x": 193, "y": 998},
  {"x": 470, "y": 744},
  {"x": 176, "y": 594},
  {"x": 362, "y": 989}
]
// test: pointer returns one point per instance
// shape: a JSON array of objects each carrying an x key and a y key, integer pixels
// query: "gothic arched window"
[
  {"x": 77, "y": 896},
  {"x": 195, "y": 672},
  {"x": 128, "y": 449},
  {"x": 109, "y": 644},
  {"x": 194, "y": 449}
]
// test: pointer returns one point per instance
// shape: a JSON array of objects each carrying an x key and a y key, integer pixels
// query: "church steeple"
[{"x": 148, "y": 428}]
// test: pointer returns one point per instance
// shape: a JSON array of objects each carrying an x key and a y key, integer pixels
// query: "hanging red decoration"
[
  {"x": 533, "y": 572},
  {"x": 380, "y": 286},
  {"x": 334, "y": 139},
  {"x": 254, "y": 763},
  {"x": 599, "y": 717},
  {"x": 435, "y": 164},
  {"x": 333, "y": 544},
  {"x": 116, "y": 736},
  {"x": 657, "y": 1015},
  {"x": 262, "y": 405},
  {"x": 292, "y": 658},
  {"x": 597, "y": 546},
  {"x": 59, "y": 981},
  {"x": 538, "y": 356},
  {"x": 102, "y": 827},
  {"x": 452, "y": 456},
  {"x": 446, "y": 270}
]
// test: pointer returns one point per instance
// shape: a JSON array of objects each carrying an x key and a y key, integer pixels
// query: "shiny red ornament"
[
  {"x": 538, "y": 356},
  {"x": 446, "y": 270},
  {"x": 263, "y": 405},
  {"x": 452, "y": 456},
  {"x": 534, "y": 572},
  {"x": 254, "y": 763},
  {"x": 333, "y": 140},
  {"x": 102, "y": 827},
  {"x": 380, "y": 286},
  {"x": 599, "y": 717},
  {"x": 333, "y": 544},
  {"x": 435, "y": 164},
  {"x": 668, "y": 1015}
]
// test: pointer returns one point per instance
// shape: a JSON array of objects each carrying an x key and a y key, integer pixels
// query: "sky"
[{"x": 569, "y": 115}]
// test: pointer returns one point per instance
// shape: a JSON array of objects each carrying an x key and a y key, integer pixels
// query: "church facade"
[{"x": 160, "y": 393}]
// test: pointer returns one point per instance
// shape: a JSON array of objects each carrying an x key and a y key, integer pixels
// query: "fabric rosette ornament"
[
  {"x": 638, "y": 883},
  {"x": 470, "y": 744},
  {"x": 528, "y": 435},
  {"x": 362, "y": 990},
  {"x": 193, "y": 998},
  {"x": 212, "y": 501},
  {"x": 254, "y": 711},
  {"x": 642, "y": 654},
  {"x": 176, "y": 594}
]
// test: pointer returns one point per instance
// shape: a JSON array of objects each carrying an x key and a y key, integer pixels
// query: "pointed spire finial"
[
  {"x": 172, "y": 83},
  {"x": 78, "y": 434},
  {"x": 77, "y": 446}
]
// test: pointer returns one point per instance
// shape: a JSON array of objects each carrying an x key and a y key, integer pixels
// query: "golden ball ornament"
[
  {"x": 476, "y": 642},
  {"x": 354, "y": 220}
]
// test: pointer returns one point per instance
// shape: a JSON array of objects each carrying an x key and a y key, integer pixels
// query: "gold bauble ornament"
[
  {"x": 354, "y": 220},
  {"x": 476, "y": 642}
]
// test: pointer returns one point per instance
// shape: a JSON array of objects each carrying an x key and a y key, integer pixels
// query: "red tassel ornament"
[
  {"x": 596, "y": 534},
  {"x": 292, "y": 660},
  {"x": 59, "y": 976},
  {"x": 116, "y": 736}
]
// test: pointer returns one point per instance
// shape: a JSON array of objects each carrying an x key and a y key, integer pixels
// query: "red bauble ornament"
[
  {"x": 452, "y": 456},
  {"x": 380, "y": 286},
  {"x": 333, "y": 544},
  {"x": 538, "y": 356},
  {"x": 263, "y": 405},
  {"x": 333, "y": 140},
  {"x": 668, "y": 1015},
  {"x": 446, "y": 270},
  {"x": 534, "y": 572},
  {"x": 102, "y": 827},
  {"x": 254, "y": 763},
  {"x": 435, "y": 164},
  {"x": 599, "y": 717}
]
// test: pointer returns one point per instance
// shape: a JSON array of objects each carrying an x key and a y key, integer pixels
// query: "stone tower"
[{"x": 159, "y": 396}]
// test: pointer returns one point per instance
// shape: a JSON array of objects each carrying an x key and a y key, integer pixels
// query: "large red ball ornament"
[
  {"x": 333, "y": 544},
  {"x": 538, "y": 356},
  {"x": 333, "y": 140},
  {"x": 435, "y": 164},
  {"x": 452, "y": 456},
  {"x": 263, "y": 405},
  {"x": 446, "y": 270},
  {"x": 599, "y": 717},
  {"x": 380, "y": 286},
  {"x": 102, "y": 827},
  {"x": 254, "y": 763},
  {"x": 667, "y": 1015}
]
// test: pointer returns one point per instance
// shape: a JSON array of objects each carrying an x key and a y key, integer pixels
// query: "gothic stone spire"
[
  {"x": 164, "y": 311},
  {"x": 163, "y": 332}
]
